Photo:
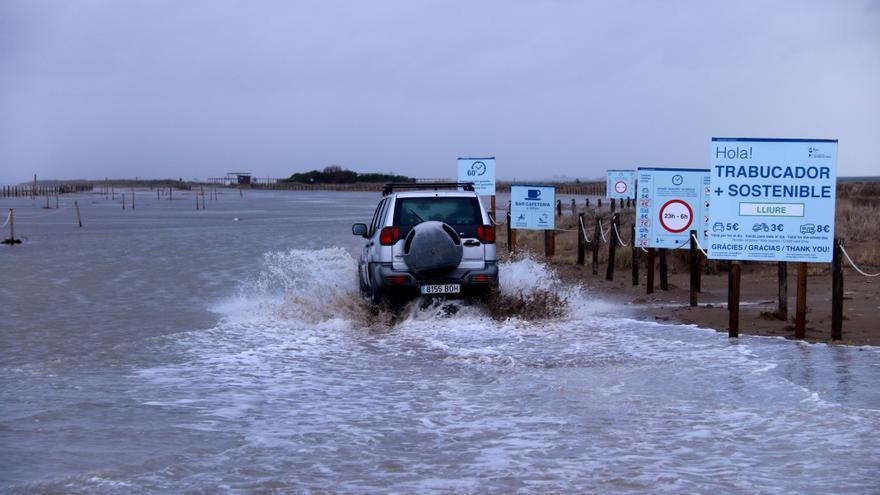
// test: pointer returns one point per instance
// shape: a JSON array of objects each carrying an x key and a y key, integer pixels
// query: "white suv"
[{"x": 437, "y": 240}]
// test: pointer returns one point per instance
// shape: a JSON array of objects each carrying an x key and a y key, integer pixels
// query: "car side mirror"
[{"x": 359, "y": 229}]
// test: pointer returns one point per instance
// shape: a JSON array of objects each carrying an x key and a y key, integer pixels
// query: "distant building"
[{"x": 240, "y": 178}]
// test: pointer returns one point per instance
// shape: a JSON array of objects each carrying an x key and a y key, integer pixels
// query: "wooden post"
[
  {"x": 34, "y": 189},
  {"x": 558, "y": 207},
  {"x": 56, "y": 200},
  {"x": 510, "y": 239},
  {"x": 123, "y": 201},
  {"x": 693, "y": 268},
  {"x": 132, "y": 199},
  {"x": 574, "y": 208},
  {"x": 599, "y": 203},
  {"x": 733, "y": 297},
  {"x": 11, "y": 240},
  {"x": 699, "y": 270},
  {"x": 650, "y": 270},
  {"x": 837, "y": 292},
  {"x": 157, "y": 194},
  {"x": 596, "y": 237},
  {"x": 197, "y": 202},
  {"x": 170, "y": 193},
  {"x": 47, "y": 203},
  {"x": 800, "y": 315},
  {"x": 492, "y": 208},
  {"x": 782, "y": 282},
  {"x": 635, "y": 257},
  {"x": 613, "y": 205},
  {"x": 729, "y": 282},
  {"x": 78, "y": 217},
  {"x": 664, "y": 272},
  {"x": 112, "y": 193},
  {"x": 549, "y": 244},
  {"x": 612, "y": 247},
  {"x": 203, "y": 199},
  {"x": 582, "y": 244}
]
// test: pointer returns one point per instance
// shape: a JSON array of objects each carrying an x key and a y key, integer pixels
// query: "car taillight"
[
  {"x": 484, "y": 279},
  {"x": 486, "y": 234},
  {"x": 396, "y": 279},
  {"x": 389, "y": 236}
]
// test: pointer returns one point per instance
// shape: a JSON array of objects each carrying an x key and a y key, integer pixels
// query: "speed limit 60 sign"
[{"x": 670, "y": 203}]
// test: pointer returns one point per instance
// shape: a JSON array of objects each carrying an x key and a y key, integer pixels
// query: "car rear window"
[{"x": 451, "y": 210}]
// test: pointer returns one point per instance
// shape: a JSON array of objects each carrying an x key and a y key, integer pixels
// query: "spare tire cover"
[{"x": 432, "y": 249}]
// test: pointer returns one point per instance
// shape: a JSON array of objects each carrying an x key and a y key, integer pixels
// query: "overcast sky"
[{"x": 94, "y": 89}]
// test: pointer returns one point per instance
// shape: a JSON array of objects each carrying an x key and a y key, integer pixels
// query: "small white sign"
[
  {"x": 620, "y": 184},
  {"x": 671, "y": 202},
  {"x": 480, "y": 171},
  {"x": 532, "y": 207}
]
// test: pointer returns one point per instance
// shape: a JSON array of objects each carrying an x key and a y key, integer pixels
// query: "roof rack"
[{"x": 391, "y": 186}]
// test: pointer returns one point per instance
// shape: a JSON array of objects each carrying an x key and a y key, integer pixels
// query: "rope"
[
  {"x": 698, "y": 245},
  {"x": 583, "y": 229},
  {"x": 643, "y": 250},
  {"x": 854, "y": 265},
  {"x": 602, "y": 231},
  {"x": 614, "y": 226},
  {"x": 9, "y": 215},
  {"x": 683, "y": 244}
]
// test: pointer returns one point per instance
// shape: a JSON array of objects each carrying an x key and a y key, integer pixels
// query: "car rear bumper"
[{"x": 387, "y": 278}]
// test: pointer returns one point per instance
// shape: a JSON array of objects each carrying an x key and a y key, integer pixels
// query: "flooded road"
[{"x": 169, "y": 350}]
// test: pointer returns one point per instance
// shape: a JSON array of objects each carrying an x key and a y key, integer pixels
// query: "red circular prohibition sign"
[{"x": 690, "y": 215}]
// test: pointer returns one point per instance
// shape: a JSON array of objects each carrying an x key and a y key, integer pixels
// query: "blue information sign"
[
  {"x": 621, "y": 184},
  {"x": 671, "y": 203},
  {"x": 532, "y": 207},
  {"x": 773, "y": 199},
  {"x": 480, "y": 171}
]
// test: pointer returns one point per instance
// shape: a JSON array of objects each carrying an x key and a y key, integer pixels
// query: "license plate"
[{"x": 441, "y": 289}]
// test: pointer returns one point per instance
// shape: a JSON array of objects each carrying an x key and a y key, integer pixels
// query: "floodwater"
[{"x": 171, "y": 350}]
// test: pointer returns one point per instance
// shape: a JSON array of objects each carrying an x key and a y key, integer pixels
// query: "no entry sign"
[
  {"x": 671, "y": 202},
  {"x": 620, "y": 184}
]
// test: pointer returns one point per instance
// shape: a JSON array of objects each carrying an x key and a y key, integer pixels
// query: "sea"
[{"x": 164, "y": 349}]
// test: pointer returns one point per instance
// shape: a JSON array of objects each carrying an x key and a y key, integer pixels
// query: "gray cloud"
[{"x": 193, "y": 89}]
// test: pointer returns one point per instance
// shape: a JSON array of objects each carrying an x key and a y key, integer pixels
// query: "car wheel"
[
  {"x": 363, "y": 287},
  {"x": 375, "y": 294}
]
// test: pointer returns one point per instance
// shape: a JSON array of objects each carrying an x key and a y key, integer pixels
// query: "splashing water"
[{"x": 316, "y": 286}]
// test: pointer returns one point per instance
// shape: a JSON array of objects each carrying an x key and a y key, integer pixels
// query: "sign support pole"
[
  {"x": 492, "y": 209},
  {"x": 800, "y": 315},
  {"x": 650, "y": 270},
  {"x": 733, "y": 297},
  {"x": 782, "y": 280},
  {"x": 635, "y": 257},
  {"x": 664, "y": 273},
  {"x": 693, "y": 268}
]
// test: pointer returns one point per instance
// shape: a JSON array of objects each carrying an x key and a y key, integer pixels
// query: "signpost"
[
  {"x": 671, "y": 202},
  {"x": 480, "y": 171},
  {"x": 773, "y": 199},
  {"x": 532, "y": 207},
  {"x": 621, "y": 184}
]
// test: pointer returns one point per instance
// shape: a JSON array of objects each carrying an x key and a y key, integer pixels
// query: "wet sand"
[{"x": 861, "y": 306}]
